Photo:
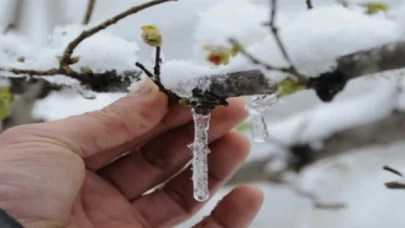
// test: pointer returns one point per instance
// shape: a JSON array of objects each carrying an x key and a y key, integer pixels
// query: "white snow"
[
  {"x": 100, "y": 52},
  {"x": 231, "y": 19},
  {"x": 326, "y": 119}
]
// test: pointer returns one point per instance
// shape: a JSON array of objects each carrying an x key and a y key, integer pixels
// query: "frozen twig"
[{"x": 89, "y": 11}]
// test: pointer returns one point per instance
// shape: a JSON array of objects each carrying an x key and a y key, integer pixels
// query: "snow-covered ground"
[{"x": 313, "y": 40}]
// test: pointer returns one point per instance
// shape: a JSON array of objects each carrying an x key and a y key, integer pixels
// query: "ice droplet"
[
  {"x": 257, "y": 109},
  {"x": 200, "y": 152}
]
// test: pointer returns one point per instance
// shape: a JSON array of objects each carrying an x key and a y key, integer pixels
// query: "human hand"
[{"x": 62, "y": 173}]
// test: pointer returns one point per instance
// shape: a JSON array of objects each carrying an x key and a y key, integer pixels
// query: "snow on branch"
[
  {"x": 237, "y": 82},
  {"x": 94, "y": 81},
  {"x": 340, "y": 142},
  {"x": 327, "y": 133}
]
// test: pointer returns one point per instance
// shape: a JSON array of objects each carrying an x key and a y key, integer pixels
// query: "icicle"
[
  {"x": 200, "y": 152},
  {"x": 257, "y": 110}
]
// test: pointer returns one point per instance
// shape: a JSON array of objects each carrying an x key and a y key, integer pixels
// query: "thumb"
[{"x": 116, "y": 124}]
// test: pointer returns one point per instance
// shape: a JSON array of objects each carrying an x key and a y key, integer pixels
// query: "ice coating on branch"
[
  {"x": 200, "y": 152},
  {"x": 257, "y": 109}
]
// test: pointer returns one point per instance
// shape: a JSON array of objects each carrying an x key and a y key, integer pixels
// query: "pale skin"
[{"x": 62, "y": 173}]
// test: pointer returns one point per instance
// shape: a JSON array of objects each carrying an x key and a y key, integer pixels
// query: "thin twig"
[
  {"x": 392, "y": 170},
  {"x": 158, "y": 62},
  {"x": 254, "y": 60},
  {"x": 157, "y": 81},
  {"x": 309, "y": 4},
  {"x": 64, "y": 62},
  {"x": 274, "y": 30},
  {"x": 89, "y": 11}
]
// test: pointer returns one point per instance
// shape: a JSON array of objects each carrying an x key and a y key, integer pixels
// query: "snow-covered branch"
[
  {"x": 379, "y": 59},
  {"x": 254, "y": 82},
  {"x": 303, "y": 153}
]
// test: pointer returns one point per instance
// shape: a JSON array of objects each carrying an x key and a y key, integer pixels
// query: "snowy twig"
[
  {"x": 309, "y": 4},
  {"x": 108, "y": 78},
  {"x": 67, "y": 54},
  {"x": 274, "y": 31},
  {"x": 89, "y": 11},
  {"x": 267, "y": 66}
]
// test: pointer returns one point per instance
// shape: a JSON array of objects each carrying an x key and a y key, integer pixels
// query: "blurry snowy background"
[{"x": 330, "y": 30}]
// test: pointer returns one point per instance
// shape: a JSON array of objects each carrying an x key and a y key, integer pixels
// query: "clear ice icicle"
[
  {"x": 200, "y": 152},
  {"x": 257, "y": 109}
]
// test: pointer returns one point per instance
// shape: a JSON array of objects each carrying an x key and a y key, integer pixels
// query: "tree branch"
[{"x": 386, "y": 57}]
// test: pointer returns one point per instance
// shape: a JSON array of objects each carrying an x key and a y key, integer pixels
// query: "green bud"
[
  {"x": 21, "y": 59},
  {"x": 86, "y": 70},
  {"x": 74, "y": 59},
  {"x": 375, "y": 7},
  {"x": 6, "y": 100},
  {"x": 288, "y": 86},
  {"x": 184, "y": 101}
]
